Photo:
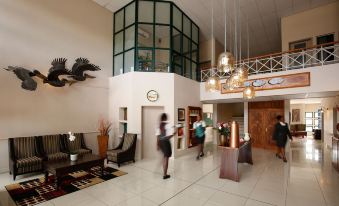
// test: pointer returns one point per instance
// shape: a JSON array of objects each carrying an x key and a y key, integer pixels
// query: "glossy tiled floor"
[{"x": 308, "y": 179}]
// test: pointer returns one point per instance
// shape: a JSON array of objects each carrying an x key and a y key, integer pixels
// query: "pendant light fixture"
[
  {"x": 249, "y": 92},
  {"x": 212, "y": 84},
  {"x": 226, "y": 59}
]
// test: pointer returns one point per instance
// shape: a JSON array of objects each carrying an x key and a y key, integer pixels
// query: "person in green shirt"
[{"x": 199, "y": 130}]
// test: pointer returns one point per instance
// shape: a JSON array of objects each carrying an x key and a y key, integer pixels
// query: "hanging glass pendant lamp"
[
  {"x": 226, "y": 59},
  {"x": 249, "y": 92},
  {"x": 212, "y": 84}
]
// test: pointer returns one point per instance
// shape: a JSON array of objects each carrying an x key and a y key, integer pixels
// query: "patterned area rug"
[{"x": 36, "y": 191}]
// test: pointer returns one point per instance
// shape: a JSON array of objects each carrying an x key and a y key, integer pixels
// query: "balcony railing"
[{"x": 294, "y": 59}]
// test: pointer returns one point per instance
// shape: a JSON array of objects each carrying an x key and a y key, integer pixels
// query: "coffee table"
[{"x": 62, "y": 168}]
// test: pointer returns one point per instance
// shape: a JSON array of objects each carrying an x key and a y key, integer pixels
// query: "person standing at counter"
[
  {"x": 280, "y": 134},
  {"x": 199, "y": 128}
]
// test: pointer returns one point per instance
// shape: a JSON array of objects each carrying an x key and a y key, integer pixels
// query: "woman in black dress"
[
  {"x": 164, "y": 134},
  {"x": 281, "y": 132}
]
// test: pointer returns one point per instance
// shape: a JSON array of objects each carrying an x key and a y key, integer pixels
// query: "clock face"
[{"x": 152, "y": 95}]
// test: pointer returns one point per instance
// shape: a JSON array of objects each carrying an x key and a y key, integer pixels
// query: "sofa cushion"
[
  {"x": 24, "y": 147},
  {"x": 51, "y": 144},
  {"x": 57, "y": 156},
  {"x": 128, "y": 141},
  {"x": 76, "y": 144},
  {"x": 82, "y": 151},
  {"x": 29, "y": 161},
  {"x": 112, "y": 155}
]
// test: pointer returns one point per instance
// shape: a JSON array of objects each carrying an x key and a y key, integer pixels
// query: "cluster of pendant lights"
[{"x": 226, "y": 64}]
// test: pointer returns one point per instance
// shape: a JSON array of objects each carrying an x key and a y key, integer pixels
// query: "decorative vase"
[
  {"x": 102, "y": 145},
  {"x": 247, "y": 137},
  {"x": 74, "y": 157},
  {"x": 222, "y": 140},
  {"x": 234, "y": 141}
]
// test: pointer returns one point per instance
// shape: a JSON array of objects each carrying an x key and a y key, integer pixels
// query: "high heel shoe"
[{"x": 277, "y": 155}]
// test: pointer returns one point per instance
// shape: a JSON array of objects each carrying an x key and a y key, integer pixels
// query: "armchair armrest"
[
  {"x": 11, "y": 150},
  {"x": 119, "y": 146}
]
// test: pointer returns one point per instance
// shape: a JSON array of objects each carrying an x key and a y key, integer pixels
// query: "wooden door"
[{"x": 261, "y": 122}]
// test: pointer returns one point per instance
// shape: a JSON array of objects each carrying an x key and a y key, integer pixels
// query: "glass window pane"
[
  {"x": 316, "y": 114},
  {"x": 187, "y": 68},
  {"x": 176, "y": 41},
  {"x": 194, "y": 71},
  {"x": 130, "y": 14},
  {"x": 177, "y": 69},
  {"x": 162, "y": 34},
  {"x": 309, "y": 122},
  {"x": 118, "y": 65},
  {"x": 316, "y": 122},
  {"x": 118, "y": 43},
  {"x": 308, "y": 114},
  {"x": 146, "y": 11},
  {"x": 195, "y": 33},
  {"x": 145, "y": 35},
  {"x": 162, "y": 60},
  {"x": 129, "y": 37},
  {"x": 163, "y": 13},
  {"x": 177, "y": 18},
  {"x": 145, "y": 60},
  {"x": 309, "y": 129},
  {"x": 176, "y": 58},
  {"x": 129, "y": 61},
  {"x": 119, "y": 20},
  {"x": 186, "y": 47},
  {"x": 187, "y": 26},
  {"x": 194, "y": 52}
]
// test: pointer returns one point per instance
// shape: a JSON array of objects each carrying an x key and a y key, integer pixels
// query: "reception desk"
[
  {"x": 230, "y": 157},
  {"x": 335, "y": 152}
]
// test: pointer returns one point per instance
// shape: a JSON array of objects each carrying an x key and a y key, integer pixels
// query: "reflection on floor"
[{"x": 308, "y": 179}]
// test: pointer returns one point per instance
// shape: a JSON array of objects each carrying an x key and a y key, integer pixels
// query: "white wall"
[
  {"x": 304, "y": 108},
  {"x": 32, "y": 33},
  {"x": 318, "y": 75},
  {"x": 130, "y": 90},
  {"x": 329, "y": 105},
  {"x": 310, "y": 24}
]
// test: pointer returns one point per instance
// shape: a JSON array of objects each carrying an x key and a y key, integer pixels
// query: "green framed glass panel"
[
  {"x": 162, "y": 58},
  {"x": 129, "y": 61},
  {"x": 119, "y": 20},
  {"x": 146, "y": 11},
  {"x": 145, "y": 35},
  {"x": 177, "y": 69},
  {"x": 162, "y": 12},
  {"x": 187, "y": 26},
  {"x": 119, "y": 42},
  {"x": 195, "y": 33},
  {"x": 118, "y": 64},
  {"x": 194, "y": 70},
  {"x": 186, "y": 47},
  {"x": 145, "y": 60},
  {"x": 130, "y": 14},
  {"x": 177, "y": 58},
  {"x": 194, "y": 52},
  {"x": 187, "y": 68},
  {"x": 162, "y": 36},
  {"x": 177, "y": 18},
  {"x": 176, "y": 39},
  {"x": 129, "y": 37}
]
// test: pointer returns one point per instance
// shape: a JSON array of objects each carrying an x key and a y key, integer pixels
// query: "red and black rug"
[{"x": 36, "y": 191}]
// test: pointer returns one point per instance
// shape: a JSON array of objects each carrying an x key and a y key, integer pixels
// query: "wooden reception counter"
[{"x": 230, "y": 158}]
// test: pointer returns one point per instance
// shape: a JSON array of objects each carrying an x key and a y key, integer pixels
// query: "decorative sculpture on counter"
[
  {"x": 53, "y": 78},
  {"x": 80, "y": 66},
  {"x": 25, "y": 75},
  {"x": 234, "y": 141},
  {"x": 58, "y": 69}
]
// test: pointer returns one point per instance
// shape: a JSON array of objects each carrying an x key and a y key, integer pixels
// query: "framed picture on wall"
[
  {"x": 295, "y": 115},
  {"x": 181, "y": 114}
]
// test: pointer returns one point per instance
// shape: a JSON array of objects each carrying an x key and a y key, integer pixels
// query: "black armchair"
[{"x": 125, "y": 151}]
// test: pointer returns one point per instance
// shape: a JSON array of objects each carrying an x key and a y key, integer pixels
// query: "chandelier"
[
  {"x": 249, "y": 92},
  {"x": 212, "y": 84}
]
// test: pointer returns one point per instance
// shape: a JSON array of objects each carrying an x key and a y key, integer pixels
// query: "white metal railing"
[{"x": 294, "y": 59}]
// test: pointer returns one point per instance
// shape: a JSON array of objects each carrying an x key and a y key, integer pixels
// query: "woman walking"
[
  {"x": 164, "y": 134},
  {"x": 281, "y": 132},
  {"x": 199, "y": 128}
]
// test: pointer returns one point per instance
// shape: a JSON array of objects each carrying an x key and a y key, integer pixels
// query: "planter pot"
[
  {"x": 102, "y": 145},
  {"x": 74, "y": 157},
  {"x": 222, "y": 140}
]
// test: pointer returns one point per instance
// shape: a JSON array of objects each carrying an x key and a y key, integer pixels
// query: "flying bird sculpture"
[
  {"x": 25, "y": 76},
  {"x": 79, "y": 68}
]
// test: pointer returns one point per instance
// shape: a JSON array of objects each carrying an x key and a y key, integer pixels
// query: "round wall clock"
[{"x": 152, "y": 95}]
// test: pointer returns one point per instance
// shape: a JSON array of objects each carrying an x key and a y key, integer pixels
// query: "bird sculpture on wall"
[
  {"x": 26, "y": 76},
  {"x": 57, "y": 70},
  {"x": 80, "y": 66}
]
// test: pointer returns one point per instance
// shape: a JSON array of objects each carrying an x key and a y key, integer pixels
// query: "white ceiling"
[{"x": 263, "y": 19}]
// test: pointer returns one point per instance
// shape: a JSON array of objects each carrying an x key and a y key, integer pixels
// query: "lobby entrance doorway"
[{"x": 150, "y": 122}]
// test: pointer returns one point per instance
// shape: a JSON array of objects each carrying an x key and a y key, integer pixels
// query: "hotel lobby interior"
[{"x": 85, "y": 85}]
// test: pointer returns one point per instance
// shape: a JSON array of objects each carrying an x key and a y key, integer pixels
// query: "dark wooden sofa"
[{"x": 298, "y": 130}]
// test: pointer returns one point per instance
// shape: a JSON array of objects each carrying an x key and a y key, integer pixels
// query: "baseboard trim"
[{"x": 3, "y": 170}]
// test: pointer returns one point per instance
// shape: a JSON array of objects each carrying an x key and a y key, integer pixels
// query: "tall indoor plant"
[{"x": 104, "y": 129}]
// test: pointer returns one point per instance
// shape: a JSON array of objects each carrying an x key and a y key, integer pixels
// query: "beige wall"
[
  {"x": 304, "y": 108},
  {"x": 206, "y": 50},
  {"x": 310, "y": 24},
  {"x": 227, "y": 111},
  {"x": 32, "y": 33}
]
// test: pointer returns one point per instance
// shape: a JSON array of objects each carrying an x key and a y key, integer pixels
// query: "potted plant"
[
  {"x": 73, "y": 154},
  {"x": 104, "y": 129},
  {"x": 224, "y": 131}
]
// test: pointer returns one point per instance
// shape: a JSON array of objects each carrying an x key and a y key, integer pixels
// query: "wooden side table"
[{"x": 230, "y": 158}]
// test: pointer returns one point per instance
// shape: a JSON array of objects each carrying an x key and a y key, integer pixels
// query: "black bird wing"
[
  {"x": 58, "y": 68},
  {"x": 22, "y": 73},
  {"x": 81, "y": 65}
]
